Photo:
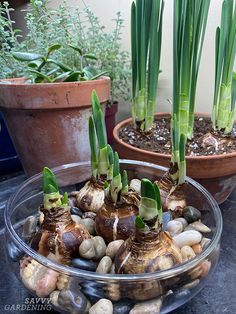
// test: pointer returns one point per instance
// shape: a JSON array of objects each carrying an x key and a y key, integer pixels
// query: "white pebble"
[
  {"x": 104, "y": 265},
  {"x": 86, "y": 249},
  {"x": 89, "y": 225},
  {"x": 205, "y": 242},
  {"x": 199, "y": 226},
  {"x": 103, "y": 306},
  {"x": 99, "y": 246},
  {"x": 76, "y": 218},
  {"x": 147, "y": 307},
  {"x": 135, "y": 184},
  {"x": 187, "y": 253},
  {"x": 192, "y": 284},
  {"x": 174, "y": 227},
  {"x": 113, "y": 247},
  {"x": 183, "y": 221},
  {"x": 189, "y": 238}
]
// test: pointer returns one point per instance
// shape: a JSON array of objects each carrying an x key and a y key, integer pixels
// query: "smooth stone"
[
  {"x": 147, "y": 307},
  {"x": 76, "y": 218},
  {"x": 187, "y": 253},
  {"x": 84, "y": 264},
  {"x": 99, "y": 246},
  {"x": 199, "y": 226},
  {"x": 174, "y": 227},
  {"x": 192, "y": 284},
  {"x": 104, "y": 265},
  {"x": 91, "y": 215},
  {"x": 191, "y": 214},
  {"x": 89, "y": 225},
  {"x": 183, "y": 221},
  {"x": 76, "y": 211},
  {"x": 135, "y": 184},
  {"x": 189, "y": 238},
  {"x": 182, "y": 293},
  {"x": 72, "y": 302},
  {"x": 112, "y": 270},
  {"x": 72, "y": 201},
  {"x": 166, "y": 217},
  {"x": 62, "y": 282},
  {"x": 122, "y": 307},
  {"x": 30, "y": 227},
  {"x": 86, "y": 249},
  {"x": 197, "y": 248},
  {"x": 205, "y": 242},
  {"x": 113, "y": 247},
  {"x": 14, "y": 253},
  {"x": 103, "y": 306},
  {"x": 93, "y": 290},
  {"x": 54, "y": 298}
]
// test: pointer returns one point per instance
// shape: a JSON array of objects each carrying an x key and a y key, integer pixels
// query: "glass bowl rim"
[{"x": 91, "y": 275}]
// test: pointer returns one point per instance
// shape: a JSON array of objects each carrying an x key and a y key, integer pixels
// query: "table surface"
[{"x": 218, "y": 296}]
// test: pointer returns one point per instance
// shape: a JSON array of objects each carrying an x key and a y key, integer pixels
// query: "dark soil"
[{"x": 205, "y": 142}]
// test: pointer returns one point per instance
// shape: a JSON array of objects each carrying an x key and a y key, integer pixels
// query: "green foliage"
[
  {"x": 49, "y": 181},
  {"x": 79, "y": 28}
]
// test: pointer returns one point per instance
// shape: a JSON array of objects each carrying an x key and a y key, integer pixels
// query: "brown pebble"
[{"x": 197, "y": 248}]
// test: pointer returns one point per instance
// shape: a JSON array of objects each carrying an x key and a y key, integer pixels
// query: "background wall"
[{"x": 106, "y": 10}]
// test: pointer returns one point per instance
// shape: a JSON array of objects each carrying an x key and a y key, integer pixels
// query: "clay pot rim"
[
  {"x": 19, "y": 81},
  {"x": 163, "y": 114}
]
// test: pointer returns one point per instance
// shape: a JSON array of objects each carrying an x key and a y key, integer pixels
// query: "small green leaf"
[
  {"x": 73, "y": 77},
  {"x": 53, "y": 48},
  {"x": 90, "y": 56},
  {"x": 147, "y": 189},
  {"x": 99, "y": 75},
  {"x": 61, "y": 76},
  {"x": 139, "y": 223},
  {"x": 110, "y": 155},
  {"x": 65, "y": 199},
  {"x": 116, "y": 169},
  {"x": 106, "y": 185},
  {"x": 35, "y": 64},
  {"x": 62, "y": 66},
  {"x": 43, "y": 76},
  {"x": 78, "y": 49},
  {"x": 49, "y": 181},
  {"x": 26, "y": 56}
]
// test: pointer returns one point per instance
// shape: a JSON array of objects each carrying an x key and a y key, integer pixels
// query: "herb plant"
[
  {"x": 78, "y": 27},
  {"x": 223, "y": 111},
  {"x": 146, "y": 36}
]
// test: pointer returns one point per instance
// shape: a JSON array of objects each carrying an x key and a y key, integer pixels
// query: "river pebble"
[
  {"x": 187, "y": 253},
  {"x": 166, "y": 217},
  {"x": 182, "y": 293},
  {"x": 91, "y": 215},
  {"x": 84, "y": 264},
  {"x": 205, "y": 242},
  {"x": 93, "y": 290},
  {"x": 199, "y": 226},
  {"x": 72, "y": 302},
  {"x": 174, "y": 227},
  {"x": 86, "y": 249},
  {"x": 76, "y": 211},
  {"x": 189, "y": 238},
  {"x": 76, "y": 218},
  {"x": 197, "y": 248},
  {"x": 104, "y": 265},
  {"x": 89, "y": 224},
  {"x": 147, "y": 307},
  {"x": 62, "y": 282},
  {"x": 191, "y": 214},
  {"x": 54, "y": 298},
  {"x": 99, "y": 246},
  {"x": 192, "y": 284},
  {"x": 113, "y": 247},
  {"x": 183, "y": 221},
  {"x": 103, "y": 306},
  {"x": 122, "y": 307},
  {"x": 29, "y": 227}
]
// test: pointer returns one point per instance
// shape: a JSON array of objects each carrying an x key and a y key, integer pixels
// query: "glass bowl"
[{"x": 169, "y": 288}]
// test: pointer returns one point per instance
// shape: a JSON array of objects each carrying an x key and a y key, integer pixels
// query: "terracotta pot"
[
  {"x": 110, "y": 117},
  {"x": 216, "y": 173},
  {"x": 49, "y": 122}
]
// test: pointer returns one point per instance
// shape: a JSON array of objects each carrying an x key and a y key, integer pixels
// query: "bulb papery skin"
[
  {"x": 59, "y": 234},
  {"x": 173, "y": 196},
  {"x": 115, "y": 221},
  {"x": 91, "y": 197},
  {"x": 147, "y": 251}
]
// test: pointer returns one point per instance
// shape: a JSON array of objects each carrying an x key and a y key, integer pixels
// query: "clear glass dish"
[{"x": 178, "y": 284}]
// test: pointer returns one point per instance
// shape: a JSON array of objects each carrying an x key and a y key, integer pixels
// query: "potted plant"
[
  {"x": 214, "y": 169},
  {"x": 55, "y": 107}
]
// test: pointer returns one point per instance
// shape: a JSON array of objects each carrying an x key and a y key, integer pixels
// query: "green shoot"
[
  {"x": 52, "y": 197},
  {"x": 150, "y": 205},
  {"x": 65, "y": 199},
  {"x": 93, "y": 147},
  {"x": 125, "y": 182},
  {"x": 116, "y": 184},
  {"x": 139, "y": 223},
  {"x": 225, "y": 49},
  {"x": 146, "y": 36},
  {"x": 190, "y": 19}
]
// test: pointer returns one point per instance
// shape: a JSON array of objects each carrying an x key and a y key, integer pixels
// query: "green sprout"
[{"x": 223, "y": 110}]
